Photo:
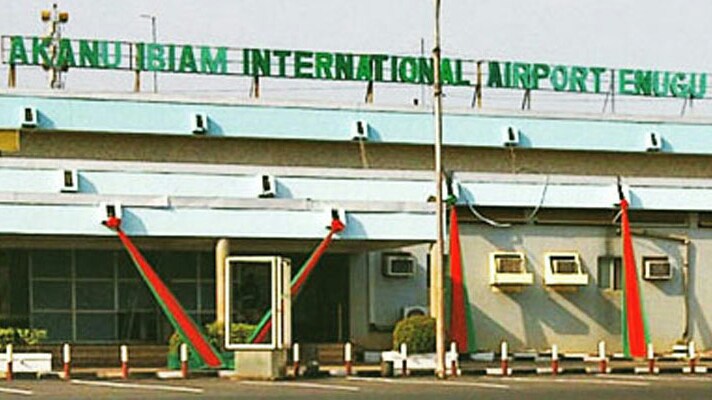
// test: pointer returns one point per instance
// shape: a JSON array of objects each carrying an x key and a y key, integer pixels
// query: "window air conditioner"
[
  {"x": 199, "y": 123},
  {"x": 564, "y": 269},
  {"x": 359, "y": 130},
  {"x": 69, "y": 182},
  {"x": 509, "y": 268},
  {"x": 657, "y": 268},
  {"x": 28, "y": 117},
  {"x": 412, "y": 311},
  {"x": 510, "y": 136},
  {"x": 399, "y": 265}
]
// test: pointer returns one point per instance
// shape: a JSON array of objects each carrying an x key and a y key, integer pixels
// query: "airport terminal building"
[{"x": 196, "y": 180}]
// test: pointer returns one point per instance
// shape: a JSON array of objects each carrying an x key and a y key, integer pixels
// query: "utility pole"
[
  {"x": 154, "y": 38},
  {"x": 437, "y": 286}
]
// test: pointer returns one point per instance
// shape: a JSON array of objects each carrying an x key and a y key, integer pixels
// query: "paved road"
[{"x": 663, "y": 387}]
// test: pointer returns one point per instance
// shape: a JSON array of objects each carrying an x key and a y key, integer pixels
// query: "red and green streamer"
[
  {"x": 265, "y": 325},
  {"x": 187, "y": 329},
  {"x": 462, "y": 330},
  {"x": 633, "y": 320}
]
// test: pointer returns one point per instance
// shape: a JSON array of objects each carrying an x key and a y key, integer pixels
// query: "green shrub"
[
  {"x": 418, "y": 332},
  {"x": 22, "y": 336},
  {"x": 215, "y": 334}
]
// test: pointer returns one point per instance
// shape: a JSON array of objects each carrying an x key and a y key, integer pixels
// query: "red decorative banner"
[
  {"x": 634, "y": 329},
  {"x": 181, "y": 321},
  {"x": 461, "y": 324},
  {"x": 265, "y": 325}
]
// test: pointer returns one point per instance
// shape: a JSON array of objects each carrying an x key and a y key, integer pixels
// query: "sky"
[{"x": 652, "y": 34}]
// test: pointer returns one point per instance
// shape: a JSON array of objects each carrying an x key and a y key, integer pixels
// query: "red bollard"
[
  {"x": 295, "y": 359},
  {"x": 67, "y": 361},
  {"x": 692, "y": 356},
  {"x": 453, "y": 362},
  {"x": 184, "y": 361},
  {"x": 651, "y": 359},
  {"x": 348, "y": 360},
  {"x": 124, "y": 362},
  {"x": 554, "y": 360},
  {"x": 9, "y": 354},
  {"x": 404, "y": 356},
  {"x": 603, "y": 360},
  {"x": 504, "y": 363}
]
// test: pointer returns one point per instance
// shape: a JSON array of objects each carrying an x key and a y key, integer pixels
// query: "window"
[
  {"x": 610, "y": 272},
  {"x": 98, "y": 295}
]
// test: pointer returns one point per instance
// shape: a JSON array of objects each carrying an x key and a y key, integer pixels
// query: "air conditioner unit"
[
  {"x": 69, "y": 181},
  {"x": 199, "y": 123},
  {"x": 333, "y": 213},
  {"x": 509, "y": 268},
  {"x": 564, "y": 269},
  {"x": 359, "y": 130},
  {"x": 412, "y": 311},
  {"x": 28, "y": 117},
  {"x": 653, "y": 142},
  {"x": 657, "y": 268},
  {"x": 108, "y": 210},
  {"x": 399, "y": 265},
  {"x": 266, "y": 186},
  {"x": 510, "y": 136}
]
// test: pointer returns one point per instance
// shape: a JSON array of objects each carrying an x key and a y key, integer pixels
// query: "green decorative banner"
[{"x": 335, "y": 66}]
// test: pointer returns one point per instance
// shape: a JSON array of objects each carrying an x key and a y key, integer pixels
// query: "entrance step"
[{"x": 324, "y": 353}]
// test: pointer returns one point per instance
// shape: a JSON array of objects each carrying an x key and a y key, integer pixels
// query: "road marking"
[
  {"x": 681, "y": 378},
  {"x": 370, "y": 379},
  {"x": 117, "y": 385},
  {"x": 450, "y": 383},
  {"x": 580, "y": 380},
  {"x": 423, "y": 382},
  {"x": 22, "y": 392},
  {"x": 304, "y": 385}
]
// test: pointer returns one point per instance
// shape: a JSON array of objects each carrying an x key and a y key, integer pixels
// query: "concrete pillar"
[{"x": 222, "y": 250}]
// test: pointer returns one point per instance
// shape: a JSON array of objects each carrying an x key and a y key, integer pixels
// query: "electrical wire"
[{"x": 486, "y": 220}]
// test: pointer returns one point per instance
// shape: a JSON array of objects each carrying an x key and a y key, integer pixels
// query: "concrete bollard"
[
  {"x": 124, "y": 350},
  {"x": 651, "y": 359},
  {"x": 453, "y": 362},
  {"x": 10, "y": 355},
  {"x": 404, "y": 356},
  {"x": 295, "y": 359},
  {"x": 603, "y": 360},
  {"x": 184, "y": 360},
  {"x": 67, "y": 361},
  {"x": 692, "y": 355},
  {"x": 504, "y": 361},
  {"x": 348, "y": 358},
  {"x": 554, "y": 359}
]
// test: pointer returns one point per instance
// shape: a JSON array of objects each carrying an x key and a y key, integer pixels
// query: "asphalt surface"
[{"x": 626, "y": 387}]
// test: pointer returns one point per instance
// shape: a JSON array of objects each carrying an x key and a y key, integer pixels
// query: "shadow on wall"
[
  {"x": 699, "y": 325},
  {"x": 591, "y": 301},
  {"x": 489, "y": 333},
  {"x": 132, "y": 224}
]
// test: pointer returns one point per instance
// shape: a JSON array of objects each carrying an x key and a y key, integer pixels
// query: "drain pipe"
[{"x": 685, "y": 241}]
